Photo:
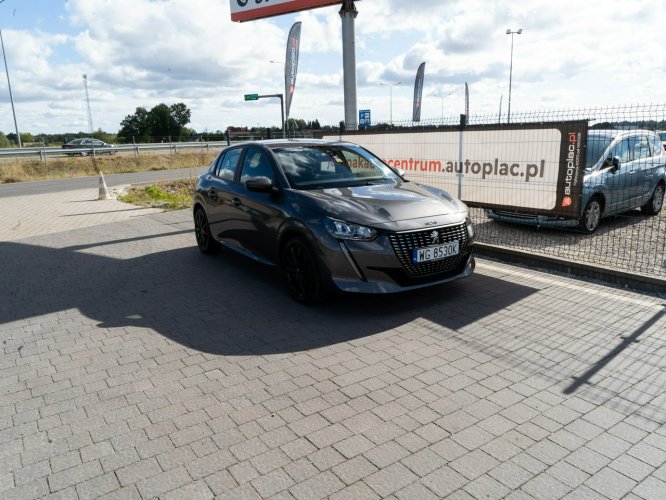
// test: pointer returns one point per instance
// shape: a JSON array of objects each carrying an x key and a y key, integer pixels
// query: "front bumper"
[
  {"x": 384, "y": 264},
  {"x": 388, "y": 285},
  {"x": 531, "y": 219}
]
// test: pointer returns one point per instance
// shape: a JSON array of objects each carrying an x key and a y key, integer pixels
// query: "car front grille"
[{"x": 404, "y": 244}]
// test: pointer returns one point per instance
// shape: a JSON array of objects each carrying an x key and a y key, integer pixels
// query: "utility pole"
[
  {"x": 90, "y": 121},
  {"x": 348, "y": 15},
  {"x": 9, "y": 86},
  {"x": 510, "y": 32}
]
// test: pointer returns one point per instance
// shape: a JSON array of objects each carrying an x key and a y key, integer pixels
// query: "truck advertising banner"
[
  {"x": 531, "y": 169},
  {"x": 248, "y": 10}
]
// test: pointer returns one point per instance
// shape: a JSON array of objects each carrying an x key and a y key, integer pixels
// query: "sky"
[{"x": 144, "y": 52}]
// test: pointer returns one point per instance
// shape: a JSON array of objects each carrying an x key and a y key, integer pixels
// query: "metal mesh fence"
[{"x": 508, "y": 174}]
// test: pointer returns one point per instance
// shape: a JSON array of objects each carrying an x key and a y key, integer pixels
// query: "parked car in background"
[
  {"x": 624, "y": 170},
  {"x": 331, "y": 216},
  {"x": 87, "y": 145}
]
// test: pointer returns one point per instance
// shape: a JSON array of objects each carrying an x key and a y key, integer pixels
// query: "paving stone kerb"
[{"x": 132, "y": 366}]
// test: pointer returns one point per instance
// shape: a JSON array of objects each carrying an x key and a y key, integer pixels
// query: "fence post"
[
  {"x": 463, "y": 122},
  {"x": 43, "y": 155},
  {"x": 136, "y": 150}
]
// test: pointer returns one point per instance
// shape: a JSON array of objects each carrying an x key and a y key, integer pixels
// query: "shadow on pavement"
[{"x": 224, "y": 304}]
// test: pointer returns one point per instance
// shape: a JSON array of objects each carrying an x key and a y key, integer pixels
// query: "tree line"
[{"x": 162, "y": 123}]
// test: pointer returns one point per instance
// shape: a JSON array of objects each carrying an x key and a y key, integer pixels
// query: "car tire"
[
  {"x": 205, "y": 241},
  {"x": 589, "y": 221},
  {"x": 302, "y": 272},
  {"x": 656, "y": 201},
  {"x": 84, "y": 153}
]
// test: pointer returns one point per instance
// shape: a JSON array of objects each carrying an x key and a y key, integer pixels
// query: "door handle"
[
  {"x": 236, "y": 202},
  {"x": 211, "y": 194}
]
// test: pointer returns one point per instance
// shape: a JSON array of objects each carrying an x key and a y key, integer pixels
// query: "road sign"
[
  {"x": 251, "y": 97},
  {"x": 364, "y": 118}
]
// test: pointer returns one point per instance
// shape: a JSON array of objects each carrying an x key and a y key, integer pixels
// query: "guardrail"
[{"x": 47, "y": 151}]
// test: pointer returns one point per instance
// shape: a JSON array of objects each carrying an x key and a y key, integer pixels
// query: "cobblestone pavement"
[
  {"x": 46, "y": 213},
  {"x": 132, "y": 366}
]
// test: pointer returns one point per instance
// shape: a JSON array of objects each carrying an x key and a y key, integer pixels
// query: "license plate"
[{"x": 436, "y": 252}]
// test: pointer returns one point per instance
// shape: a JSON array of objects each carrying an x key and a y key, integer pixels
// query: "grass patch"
[
  {"x": 171, "y": 195},
  {"x": 73, "y": 166}
]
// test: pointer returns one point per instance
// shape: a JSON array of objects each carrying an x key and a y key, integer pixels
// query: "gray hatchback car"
[
  {"x": 624, "y": 170},
  {"x": 331, "y": 216}
]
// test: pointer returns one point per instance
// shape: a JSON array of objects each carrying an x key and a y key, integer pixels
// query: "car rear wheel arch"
[
  {"x": 205, "y": 240},
  {"x": 655, "y": 203}
]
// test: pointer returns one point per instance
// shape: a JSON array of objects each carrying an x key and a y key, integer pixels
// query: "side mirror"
[
  {"x": 616, "y": 162},
  {"x": 612, "y": 162},
  {"x": 259, "y": 184},
  {"x": 401, "y": 173}
]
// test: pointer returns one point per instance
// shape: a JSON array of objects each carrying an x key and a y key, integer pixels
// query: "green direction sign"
[{"x": 251, "y": 97}]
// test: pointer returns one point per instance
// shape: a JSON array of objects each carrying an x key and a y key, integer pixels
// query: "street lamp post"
[
  {"x": 509, "y": 32},
  {"x": 285, "y": 124},
  {"x": 390, "y": 86},
  {"x": 9, "y": 86}
]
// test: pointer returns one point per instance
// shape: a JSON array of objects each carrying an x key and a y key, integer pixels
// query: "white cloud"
[{"x": 142, "y": 52}]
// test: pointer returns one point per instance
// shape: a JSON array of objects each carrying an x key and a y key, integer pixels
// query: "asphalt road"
[{"x": 61, "y": 185}]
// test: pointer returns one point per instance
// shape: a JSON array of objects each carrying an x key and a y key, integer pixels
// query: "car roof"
[
  {"x": 273, "y": 143},
  {"x": 613, "y": 133}
]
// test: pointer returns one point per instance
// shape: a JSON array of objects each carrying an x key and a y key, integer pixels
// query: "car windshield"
[
  {"x": 662, "y": 135},
  {"x": 328, "y": 166},
  {"x": 596, "y": 145}
]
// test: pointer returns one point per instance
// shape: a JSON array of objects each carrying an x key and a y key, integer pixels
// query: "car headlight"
[
  {"x": 470, "y": 226},
  {"x": 347, "y": 231}
]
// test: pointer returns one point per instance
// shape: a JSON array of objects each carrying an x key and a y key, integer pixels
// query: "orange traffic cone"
[{"x": 103, "y": 190}]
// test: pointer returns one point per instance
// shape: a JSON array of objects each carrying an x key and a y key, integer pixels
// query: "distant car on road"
[
  {"x": 331, "y": 216},
  {"x": 624, "y": 170},
  {"x": 87, "y": 145}
]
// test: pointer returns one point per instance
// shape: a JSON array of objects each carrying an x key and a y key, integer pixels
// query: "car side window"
[
  {"x": 656, "y": 145},
  {"x": 256, "y": 164},
  {"x": 641, "y": 148},
  {"x": 227, "y": 164},
  {"x": 622, "y": 150}
]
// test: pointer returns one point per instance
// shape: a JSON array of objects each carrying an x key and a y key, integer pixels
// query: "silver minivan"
[{"x": 624, "y": 170}]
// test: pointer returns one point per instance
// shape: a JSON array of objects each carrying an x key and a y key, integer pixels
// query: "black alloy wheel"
[
  {"x": 205, "y": 240},
  {"x": 302, "y": 272},
  {"x": 589, "y": 222},
  {"x": 656, "y": 201}
]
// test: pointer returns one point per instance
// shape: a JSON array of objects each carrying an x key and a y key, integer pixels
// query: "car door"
[
  {"x": 220, "y": 192},
  {"x": 617, "y": 179},
  {"x": 650, "y": 173},
  {"x": 641, "y": 171},
  {"x": 258, "y": 214}
]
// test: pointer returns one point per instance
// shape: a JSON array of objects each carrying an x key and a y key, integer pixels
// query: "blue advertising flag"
[
  {"x": 466, "y": 101},
  {"x": 418, "y": 93},
  {"x": 291, "y": 64}
]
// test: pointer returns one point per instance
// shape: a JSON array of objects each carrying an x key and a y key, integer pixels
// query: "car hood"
[{"x": 386, "y": 204}]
